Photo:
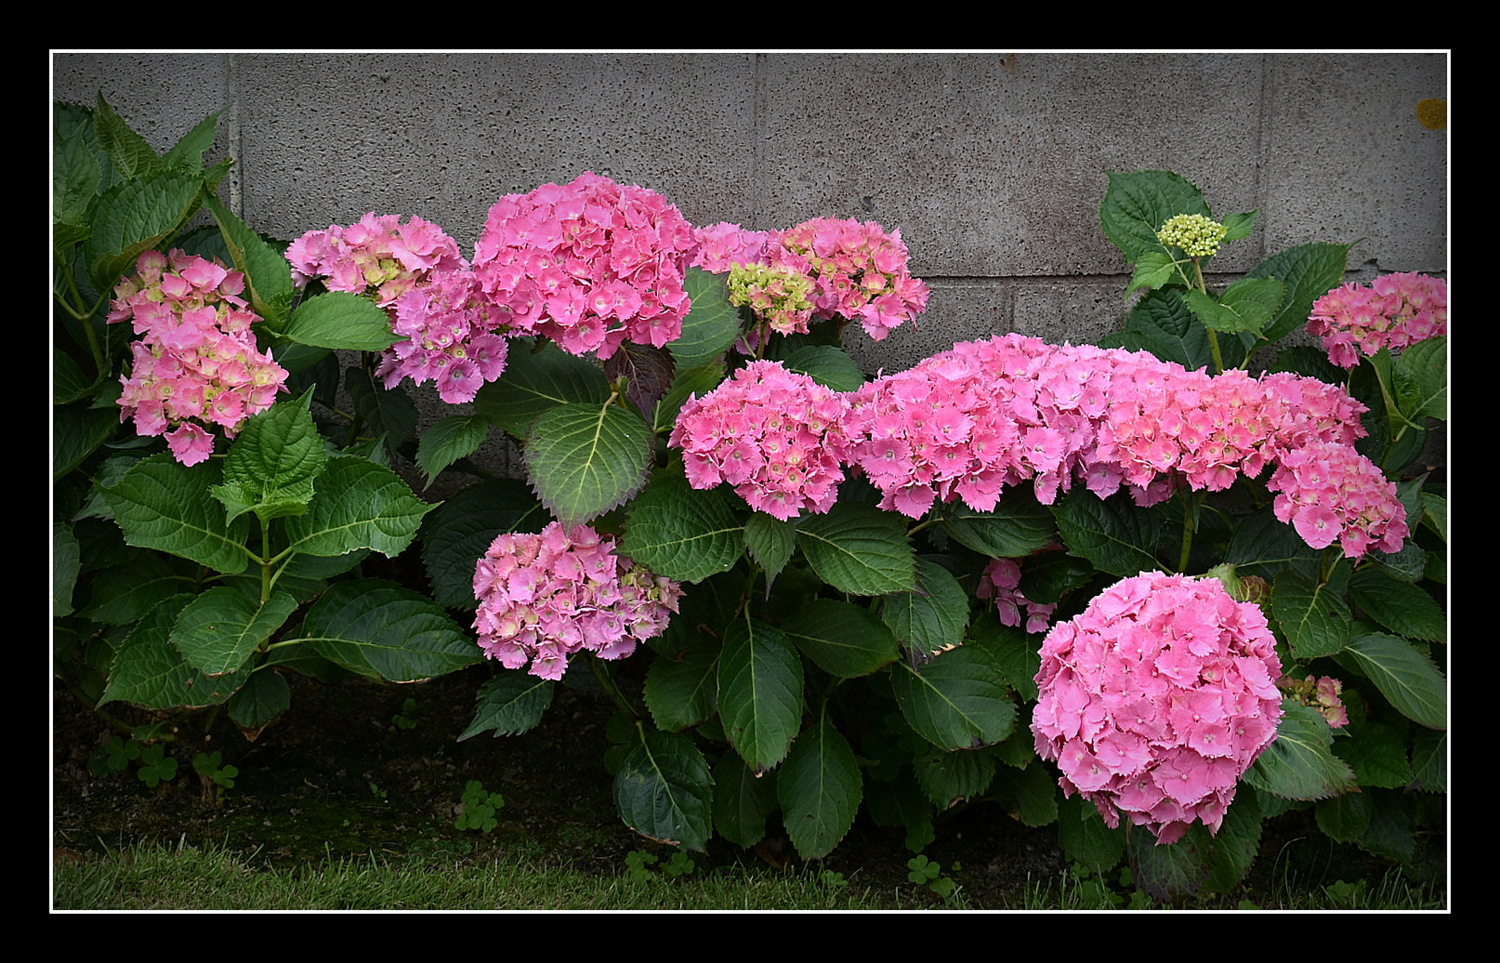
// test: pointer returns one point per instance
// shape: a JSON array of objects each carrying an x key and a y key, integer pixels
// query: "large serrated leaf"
[
  {"x": 1161, "y": 324},
  {"x": 957, "y": 701},
  {"x": 163, "y": 505},
  {"x": 859, "y": 549},
  {"x": 220, "y": 630},
  {"x": 510, "y": 703},
  {"x": 268, "y": 275},
  {"x": 842, "y": 639},
  {"x": 359, "y": 505},
  {"x": 133, "y": 217},
  {"x": 456, "y": 533},
  {"x": 1136, "y": 205},
  {"x": 1112, "y": 533},
  {"x": 819, "y": 789},
  {"x": 455, "y": 437},
  {"x": 340, "y": 320},
  {"x": 933, "y": 618},
  {"x": 272, "y": 466},
  {"x": 741, "y": 801},
  {"x": 583, "y": 460},
  {"x": 1421, "y": 374},
  {"x": 1308, "y": 271},
  {"x": 760, "y": 692},
  {"x": 680, "y": 533},
  {"x": 664, "y": 790},
  {"x": 1018, "y": 526},
  {"x": 1312, "y": 615},
  {"x": 1400, "y": 606},
  {"x": 383, "y": 631},
  {"x": 1299, "y": 763},
  {"x": 536, "y": 380},
  {"x": 682, "y": 690},
  {"x": 711, "y": 326},
  {"x": 148, "y": 670},
  {"x": 1403, "y": 675}
]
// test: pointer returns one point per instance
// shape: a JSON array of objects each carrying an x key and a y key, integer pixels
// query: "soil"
[{"x": 339, "y": 774}]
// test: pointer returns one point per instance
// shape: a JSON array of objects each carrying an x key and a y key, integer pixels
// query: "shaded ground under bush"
[{"x": 343, "y": 772}]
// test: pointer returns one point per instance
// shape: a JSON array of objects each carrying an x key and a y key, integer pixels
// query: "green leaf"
[
  {"x": 1112, "y": 533},
  {"x": 1403, "y": 675},
  {"x": 1400, "y": 606},
  {"x": 664, "y": 791},
  {"x": 359, "y": 505},
  {"x": 188, "y": 152},
  {"x": 268, "y": 275},
  {"x": 932, "y": 618},
  {"x": 340, "y": 320},
  {"x": 1308, "y": 271},
  {"x": 272, "y": 466},
  {"x": 1153, "y": 270},
  {"x": 127, "y": 150},
  {"x": 770, "y": 542},
  {"x": 1299, "y": 763},
  {"x": 819, "y": 789},
  {"x": 263, "y": 697},
  {"x": 382, "y": 631},
  {"x": 1170, "y": 872},
  {"x": 760, "y": 692},
  {"x": 510, "y": 703},
  {"x": 537, "y": 380},
  {"x": 1421, "y": 375},
  {"x": 842, "y": 639},
  {"x": 957, "y": 701},
  {"x": 1312, "y": 615},
  {"x": 148, "y": 670},
  {"x": 682, "y": 690},
  {"x": 1239, "y": 226},
  {"x": 77, "y": 432},
  {"x": 163, "y": 505},
  {"x": 135, "y": 216},
  {"x": 65, "y": 565},
  {"x": 826, "y": 364},
  {"x": 741, "y": 801},
  {"x": 1018, "y": 526},
  {"x": 858, "y": 548},
  {"x": 1377, "y": 753},
  {"x": 1136, "y": 205},
  {"x": 1082, "y": 835},
  {"x": 680, "y": 533},
  {"x": 1245, "y": 306},
  {"x": 455, "y": 437},
  {"x": 220, "y": 630},
  {"x": 456, "y": 533},
  {"x": 583, "y": 460},
  {"x": 1161, "y": 324},
  {"x": 711, "y": 326}
]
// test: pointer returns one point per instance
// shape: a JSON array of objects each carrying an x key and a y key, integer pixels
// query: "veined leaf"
[
  {"x": 664, "y": 790},
  {"x": 164, "y": 505},
  {"x": 680, "y": 533},
  {"x": 1403, "y": 675},
  {"x": 957, "y": 701},
  {"x": 1299, "y": 763},
  {"x": 148, "y": 670},
  {"x": 933, "y": 618},
  {"x": 760, "y": 692},
  {"x": 536, "y": 381},
  {"x": 858, "y": 548},
  {"x": 584, "y": 460},
  {"x": 1312, "y": 615},
  {"x": 1136, "y": 205},
  {"x": 273, "y": 464},
  {"x": 682, "y": 691},
  {"x": 383, "y": 631},
  {"x": 455, "y": 437},
  {"x": 741, "y": 801},
  {"x": 268, "y": 275},
  {"x": 510, "y": 703},
  {"x": 842, "y": 639},
  {"x": 338, "y": 319},
  {"x": 359, "y": 505},
  {"x": 711, "y": 326},
  {"x": 1110, "y": 532},
  {"x": 219, "y": 631},
  {"x": 819, "y": 789}
]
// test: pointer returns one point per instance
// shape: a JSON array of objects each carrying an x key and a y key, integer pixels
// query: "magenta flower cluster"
[
  {"x": 773, "y": 434},
  {"x": 1395, "y": 311},
  {"x": 1156, "y": 700},
  {"x": 196, "y": 362},
  {"x": 966, "y": 423},
  {"x": 590, "y": 264},
  {"x": 853, "y": 270},
  {"x": 546, "y": 596}
]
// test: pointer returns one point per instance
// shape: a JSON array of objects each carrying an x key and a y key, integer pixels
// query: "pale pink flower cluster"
[
  {"x": 1321, "y": 694},
  {"x": 1156, "y": 699},
  {"x": 544, "y": 597},
  {"x": 1395, "y": 311},
  {"x": 852, "y": 270},
  {"x": 773, "y": 434},
  {"x": 378, "y": 257},
  {"x": 984, "y": 415},
  {"x": 1330, "y": 492},
  {"x": 1001, "y": 581},
  {"x": 590, "y": 264},
  {"x": 196, "y": 362}
]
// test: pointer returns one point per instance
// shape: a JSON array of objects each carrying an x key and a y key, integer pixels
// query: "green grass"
[
  {"x": 162, "y": 877},
  {"x": 155, "y": 877}
]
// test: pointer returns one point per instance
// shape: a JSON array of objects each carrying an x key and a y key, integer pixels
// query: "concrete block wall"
[{"x": 991, "y": 164}]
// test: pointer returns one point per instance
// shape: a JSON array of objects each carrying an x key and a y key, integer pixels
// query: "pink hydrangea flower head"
[
  {"x": 452, "y": 337},
  {"x": 1001, "y": 581},
  {"x": 860, "y": 271},
  {"x": 1394, "y": 311},
  {"x": 773, "y": 434},
  {"x": 1156, "y": 699},
  {"x": 545, "y": 597},
  {"x": 1322, "y": 694},
  {"x": 196, "y": 362},
  {"x": 378, "y": 257},
  {"x": 591, "y": 264},
  {"x": 1331, "y": 493}
]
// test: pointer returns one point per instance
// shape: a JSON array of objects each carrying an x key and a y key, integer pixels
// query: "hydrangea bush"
[{"x": 1153, "y": 590}]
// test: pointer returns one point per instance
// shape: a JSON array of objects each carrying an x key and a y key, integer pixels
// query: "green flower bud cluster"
[
  {"x": 1195, "y": 234},
  {"x": 778, "y": 294}
]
